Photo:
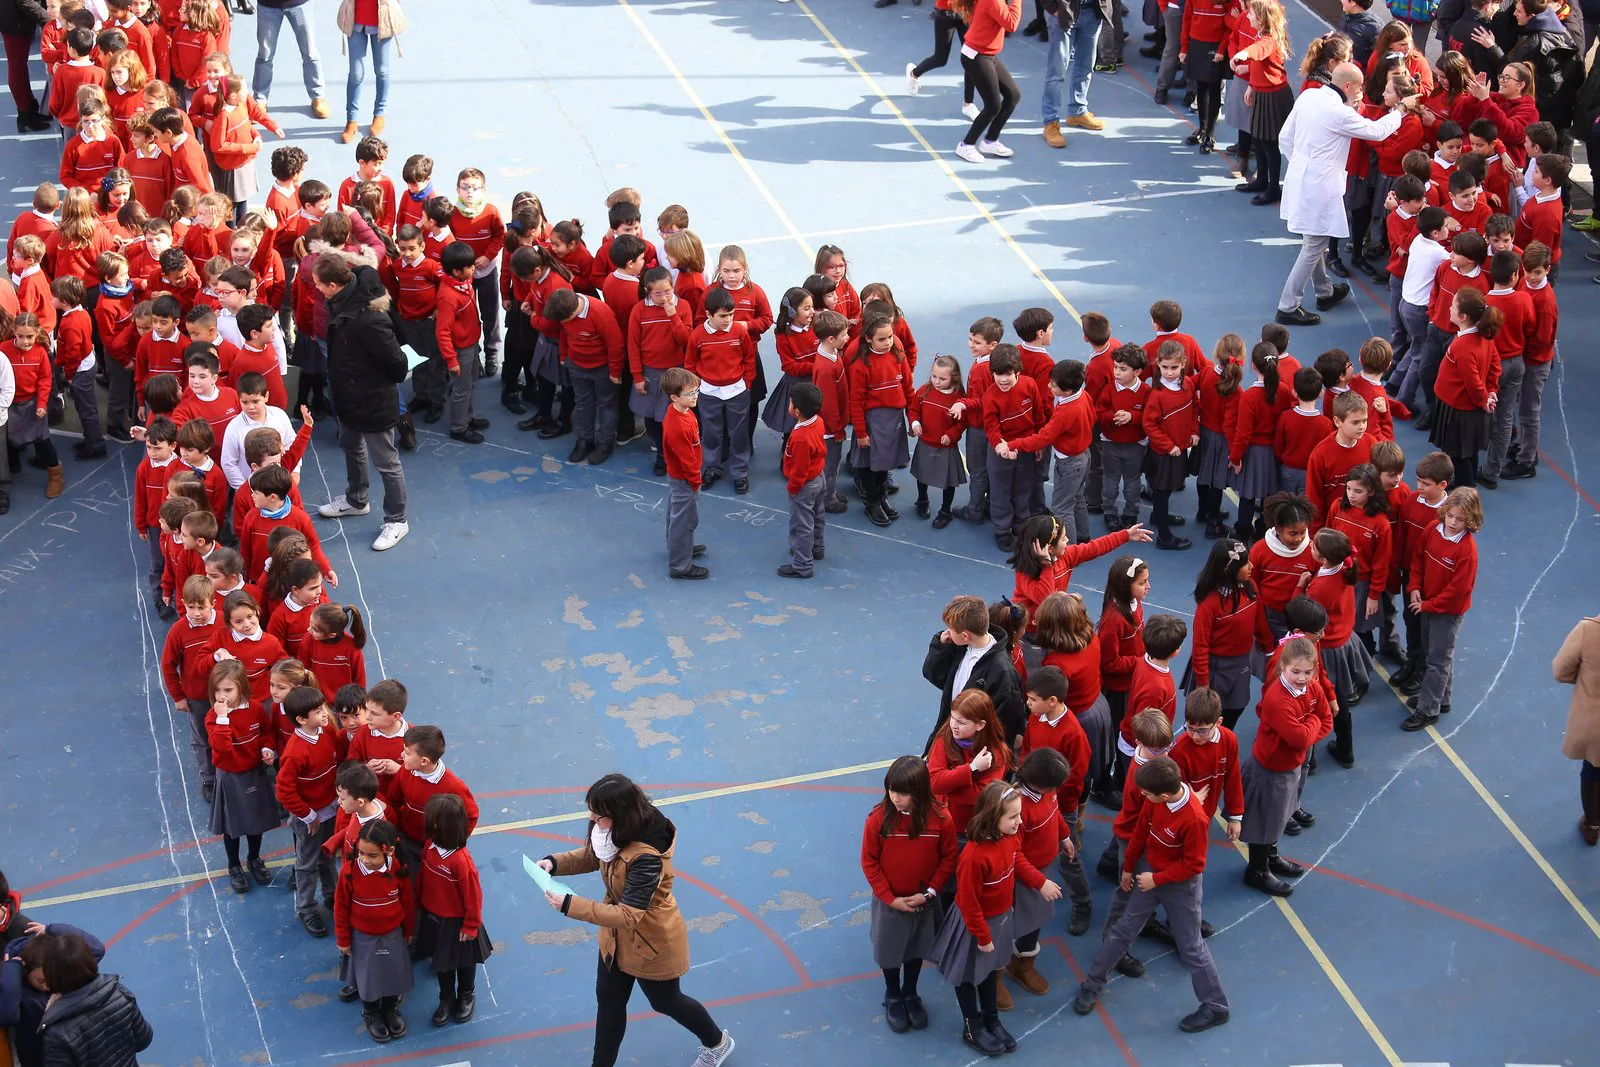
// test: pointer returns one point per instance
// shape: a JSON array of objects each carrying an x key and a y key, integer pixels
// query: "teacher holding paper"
[{"x": 642, "y": 935}]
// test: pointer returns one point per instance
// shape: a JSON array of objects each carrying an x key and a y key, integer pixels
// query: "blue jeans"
[
  {"x": 1069, "y": 57},
  {"x": 269, "y": 21},
  {"x": 358, "y": 46}
]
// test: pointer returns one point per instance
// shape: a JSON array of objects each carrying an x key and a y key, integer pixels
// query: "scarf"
[
  {"x": 115, "y": 290},
  {"x": 600, "y": 841}
]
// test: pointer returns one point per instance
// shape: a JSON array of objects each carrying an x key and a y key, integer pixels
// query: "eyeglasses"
[
  {"x": 692, "y": 394},
  {"x": 226, "y": 292},
  {"x": 470, "y": 187}
]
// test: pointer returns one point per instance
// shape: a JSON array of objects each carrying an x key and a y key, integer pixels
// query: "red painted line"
[
  {"x": 160, "y": 905},
  {"x": 35, "y": 890},
  {"x": 1121, "y": 1042}
]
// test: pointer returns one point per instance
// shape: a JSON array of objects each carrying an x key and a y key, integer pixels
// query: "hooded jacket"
[
  {"x": 364, "y": 358},
  {"x": 22, "y": 18},
  {"x": 21, "y": 1005},
  {"x": 99, "y": 1025}
]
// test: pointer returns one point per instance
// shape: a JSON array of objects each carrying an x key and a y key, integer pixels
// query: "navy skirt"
[
  {"x": 938, "y": 466},
  {"x": 547, "y": 361},
  {"x": 776, "y": 412},
  {"x": 243, "y": 804},
  {"x": 1228, "y": 677},
  {"x": 1212, "y": 466},
  {"x": 887, "y": 429},
  {"x": 1165, "y": 474},
  {"x": 439, "y": 940},
  {"x": 1458, "y": 433},
  {"x": 652, "y": 403},
  {"x": 1269, "y": 112},
  {"x": 1258, "y": 475}
]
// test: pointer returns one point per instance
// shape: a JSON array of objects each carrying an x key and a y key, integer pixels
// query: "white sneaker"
[
  {"x": 715, "y": 1057},
  {"x": 391, "y": 534},
  {"x": 340, "y": 507},
  {"x": 970, "y": 110},
  {"x": 995, "y": 148},
  {"x": 969, "y": 152},
  {"x": 913, "y": 83}
]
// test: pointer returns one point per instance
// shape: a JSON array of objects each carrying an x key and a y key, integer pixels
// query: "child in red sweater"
[
  {"x": 423, "y": 777},
  {"x": 1171, "y": 838},
  {"x": 1122, "y": 450},
  {"x": 1362, "y": 514},
  {"x": 380, "y": 742},
  {"x": 968, "y": 751},
  {"x": 828, "y": 374},
  {"x": 1346, "y": 663},
  {"x": 797, "y": 350},
  {"x": 450, "y": 930},
  {"x": 1172, "y": 425},
  {"x": 75, "y": 359},
  {"x": 1331, "y": 461},
  {"x": 977, "y": 936},
  {"x": 592, "y": 349},
  {"x": 332, "y": 646},
  {"x": 1207, "y": 752},
  {"x": 908, "y": 853},
  {"x": 374, "y": 918},
  {"x": 1069, "y": 432},
  {"x": 1468, "y": 385},
  {"x": 242, "y": 638},
  {"x": 880, "y": 393},
  {"x": 937, "y": 413},
  {"x": 1012, "y": 410},
  {"x": 305, "y": 788},
  {"x": 1121, "y": 631},
  {"x": 1228, "y": 627},
  {"x": 1217, "y": 392},
  {"x": 1301, "y": 429},
  {"x": 27, "y": 422},
  {"x": 680, "y": 447},
  {"x": 658, "y": 336},
  {"x": 1281, "y": 561},
  {"x": 1151, "y": 683},
  {"x": 159, "y": 464},
  {"x": 186, "y": 661},
  {"x": 1045, "y": 839},
  {"x": 1439, "y": 593},
  {"x": 243, "y": 804},
  {"x": 1538, "y": 356},
  {"x": 1052, "y": 725},
  {"x": 804, "y": 453}
]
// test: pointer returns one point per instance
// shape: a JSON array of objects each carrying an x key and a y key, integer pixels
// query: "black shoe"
[
  {"x": 916, "y": 1013},
  {"x": 238, "y": 881},
  {"x": 258, "y": 871},
  {"x": 891, "y": 512},
  {"x": 1084, "y": 1002},
  {"x": 891, "y": 486},
  {"x": 1304, "y": 817},
  {"x": 977, "y": 1036},
  {"x": 659, "y": 467},
  {"x": 1298, "y": 317},
  {"x": 923, "y": 509},
  {"x": 837, "y": 506},
  {"x": 941, "y": 520},
  {"x": 1208, "y": 145},
  {"x": 119, "y": 434},
  {"x": 1161, "y": 94},
  {"x": 1444, "y": 709},
  {"x": 446, "y": 1008},
  {"x": 208, "y": 790},
  {"x": 694, "y": 573},
  {"x": 1292, "y": 829},
  {"x": 1282, "y": 867},
  {"x": 535, "y": 422},
  {"x": 1485, "y": 481},
  {"x": 1036, "y": 28},
  {"x": 1214, "y": 530},
  {"x": 432, "y": 414},
  {"x": 1005, "y": 542},
  {"x": 1413, "y": 685},
  {"x": 741, "y": 486},
  {"x": 1267, "y": 882},
  {"x": 312, "y": 921},
  {"x": 1270, "y": 195},
  {"x": 1518, "y": 471},
  {"x": 1194, "y": 138},
  {"x": 1113, "y": 522},
  {"x": 406, "y": 434},
  {"x": 395, "y": 1022},
  {"x": 697, "y": 551},
  {"x": 1250, "y": 187},
  {"x": 1341, "y": 757},
  {"x": 1150, "y": 51},
  {"x": 1173, "y": 544},
  {"x": 1156, "y": 930},
  {"x": 787, "y": 571},
  {"x": 84, "y": 450},
  {"x": 1206, "y": 929},
  {"x": 580, "y": 451},
  {"x": 554, "y": 430},
  {"x": 377, "y": 1029},
  {"x": 477, "y": 423},
  {"x": 1078, "y": 923},
  {"x": 1000, "y": 1033},
  {"x": 1417, "y": 721},
  {"x": 349, "y": 992},
  {"x": 894, "y": 1013},
  {"x": 1333, "y": 299},
  {"x": 466, "y": 1004},
  {"x": 600, "y": 454},
  {"x": 164, "y": 611},
  {"x": 877, "y": 516},
  {"x": 1129, "y": 966},
  {"x": 710, "y": 478},
  {"x": 467, "y": 437},
  {"x": 1108, "y": 798},
  {"x": 1204, "y": 1019},
  {"x": 1337, "y": 267},
  {"x": 512, "y": 402}
]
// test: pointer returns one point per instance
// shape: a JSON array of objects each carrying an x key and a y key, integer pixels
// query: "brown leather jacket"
[{"x": 639, "y": 920}]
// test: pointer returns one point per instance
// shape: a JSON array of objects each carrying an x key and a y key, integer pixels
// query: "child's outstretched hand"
[
  {"x": 1140, "y": 532},
  {"x": 1050, "y": 891},
  {"x": 305, "y": 417},
  {"x": 332, "y": 579},
  {"x": 1305, "y": 580}
]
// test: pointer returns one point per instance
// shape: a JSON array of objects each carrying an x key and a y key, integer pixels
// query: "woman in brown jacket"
[
  {"x": 642, "y": 935},
  {"x": 1578, "y": 664}
]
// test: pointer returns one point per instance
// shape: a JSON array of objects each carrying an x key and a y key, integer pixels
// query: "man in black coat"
[
  {"x": 968, "y": 654},
  {"x": 365, "y": 369},
  {"x": 19, "y": 23}
]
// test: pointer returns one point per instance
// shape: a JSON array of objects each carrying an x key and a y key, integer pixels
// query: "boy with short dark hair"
[
  {"x": 982, "y": 337},
  {"x": 1360, "y": 25},
  {"x": 832, "y": 331},
  {"x": 1165, "y": 317},
  {"x": 215, "y": 405},
  {"x": 414, "y": 280},
  {"x": 1541, "y": 217},
  {"x": 1300, "y": 429},
  {"x": 1097, "y": 375},
  {"x": 458, "y": 330},
  {"x": 189, "y": 166},
  {"x": 417, "y": 173},
  {"x": 307, "y": 790},
  {"x": 1012, "y": 407},
  {"x": 150, "y": 492},
  {"x": 1121, "y": 415},
  {"x": 371, "y": 154},
  {"x": 1331, "y": 461},
  {"x": 423, "y": 776},
  {"x": 1052, "y": 725},
  {"x": 1068, "y": 433},
  {"x": 186, "y": 662},
  {"x": 79, "y": 70},
  {"x": 1435, "y": 472},
  {"x": 269, "y": 489},
  {"x": 803, "y": 455},
  {"x": 680, "y": 445},
  {"x": 196, "y": 443},
  {"x": 1517, "y": 316},
  {"x": 75, "y": 360},
  {"x": 592, "y": 349},
  {"x": 724, "y": 356},
  {"x": 1539, "y": 350},
  {"x": 476, "y": 223}
]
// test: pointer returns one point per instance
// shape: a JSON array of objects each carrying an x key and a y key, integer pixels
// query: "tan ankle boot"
[
  {"x": 377, "y": 125},
  {"x": 56, "y": 484},
  {"x": 351, "y": 131},
  {"x": 1022, "y": 969},
  {"x": 1002, "y": 995}
]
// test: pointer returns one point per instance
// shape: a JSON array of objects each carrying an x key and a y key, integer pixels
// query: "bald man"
[{"x": 1316, "y": 138}]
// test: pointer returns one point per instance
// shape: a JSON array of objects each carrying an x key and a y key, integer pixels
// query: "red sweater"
[
  {"x": 1469, "y": 373},
  {"x": 620, "y": 292},
  {"x": 690, "y": 285},
  {"x": 216, "y": 413},
  {"x": 1370, "y": 540},
  {"x": 899, "y": 865},
  {"x": 262, "y": 361},
  {"x": 1121, "y": 646},
  {"x": 457, "y": 323},
  {"x": 1402, "y": 230},
  {"x": 1203, "y": 22},
  {"x": 1043, "y": 828},
  {"x": 1299, "y": 431},
  {"x": 1132, "y": 798},
  {"x": 956, "y": 784},
  {"x": 657, "y": 336},
  {"x": 374, "y": 902},
  {"x": 1471, "y": 219},
  {"x": 189, "y": 167},
  {"x": 1066, "y": 736},
  {"x": 84, "y": 162},
  {"x": 386, "y": 210},
  {"x": 1417, "y": 518},
  {"x": 1337, "y": 594},
  {"x": 1217, "y": 412},
  {"x": 484, "y": 233},
  {"x": 407, "y": 796},
  {"x": 1082, "y": 669},
  {"x": 258, "y": 527},
  {"x": 1265, "y": 58},
  {"x": 1516, "y": 321},
  {"x": 30, "y": 372},
  {"x": 1290, "y": 724},
  {"x": 984, "y": 879},
  {"x": 65, "y": 82},
  {"x": 366, "y": 745},
  {"x": 306, "y": 771},
  {"x": 186, "y": 658},
  {"x": 878, "y": 381},
  {"x": 931, "y": 408},
  {"x": 158, "y": 355},
  {"x": 1117, "y": 399},
  {"x": 680, "y": 446},
  {"x": 1447, "y": 281},
  {"x": 991, "y": 21},
  {"x": 1150, "y": 687},
  {"x": 113, "y": 318},
  {"x": 1012, "y": 413},
  {"x": 414, "y": 286},
  {"x": 1069, "y": 428},
  {"x": 1444, "y": 572},
  {"x": 150, "y": 492},
  {"x": 1328, "y": 467},
  {"x": 1380, "y": 424},
  {"x": 1541, "y": 339},
  {"x": 236, "y": 744},
  {"x": 538, "y": 295},
  {"x": 77, "y": 258},
  {"x": 1212, "y": 765},
  {"x": 336, "y": 663},
  {"x": 1173, "y": 842},
  {"x": 1541, "y": 220},
  {"x": 750, "y": 308},
  {"x": 1400, "y": 498},
  {"x": 722, "y": 357},
  {"x": 233, "y": 138},
  {"x": 257, "y": 657},
  {"x": 1277, "y": 577},
  {"x": 450, "y": 888},
  {"x": 591, "y": 339},
  {"x": 1172, "y": 417},
  {"x": 1227, "y": 622},
  {"x": 804, "y": 454},
  {"x": 797, "y": 348},
  {"x": 1258, "y": 418},
  {"x": 74, "y": 340}
]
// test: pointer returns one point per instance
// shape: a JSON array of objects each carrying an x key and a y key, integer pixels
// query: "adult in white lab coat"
[{"x": 1317, "y": 140}]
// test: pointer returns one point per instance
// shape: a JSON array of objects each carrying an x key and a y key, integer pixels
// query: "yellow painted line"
[
  {"x": 944, "y": 165},
  {"x": 493, "y": 828},
  {"x": 716, "y": 127}
]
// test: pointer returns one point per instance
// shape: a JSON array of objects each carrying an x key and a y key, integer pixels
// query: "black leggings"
[
  {"x": 1271, "y": 162},
  {"x": 875, "y": 484},
  {"x": 946, "y": 27},
  {"x": 1161, "y": 514},
  {"x": 902, "y": 981},
  {"x": 230, "y": 845},
  {"x": 946, "y": 500},
  {"x": 999, "y": 92},
  {"x": 461, "y": 982},
  {"x": 1210, "y": 503},
  {"x": 613, "y": 987},
  {"x": 978, "y": 1001},
  {"x": 1208, "y": 100}
]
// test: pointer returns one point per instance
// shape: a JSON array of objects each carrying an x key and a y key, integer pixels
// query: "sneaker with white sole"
[
  {"x": 969, "y": 152},
  {"x": 995, "y": 148},
  {"x": 340, "y": 507},
  {"x": 715, "y": 1057},
  {"x": 913, "y": 83},
  {"x": 390, "y": 535},
  {"x": 970, "y": 110}
]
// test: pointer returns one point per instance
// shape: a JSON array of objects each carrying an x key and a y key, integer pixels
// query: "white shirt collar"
[
  {"x": 1157, "y": 666},
  {"x": 444, "y": 853},
  {"x": 1452, "y": 538},
  {"x": 237, "y": 636},
  {"x": 1284, "y": 679},
  {"x": 1183, "y": 799},
  {"x": 432, "y": 779}
]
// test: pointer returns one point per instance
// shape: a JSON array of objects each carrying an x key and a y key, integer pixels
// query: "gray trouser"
[
  {"x": 120, "y": 408},
  {"x": 1167, "y": 74},
  {"x": 1011, "y": 486},
  {"x": 462, "y": 384},
  {"x": 977, "y": 445},
  {"x": 88, "y": 406},
  {"x": 1073, "y": 878},
  {"x": 830, "y": 470},
  {"x": 1094, "y": 484},
  {"x": 1182, "y": 903},
  {"x": 1067, "y": 501},
  {"x": 1111, "y": 43},
  {"x": 594, "y": 409},
  {"x": 158, "y": 562},
  {"x": 1528, "y": 410},
  {"x": 380, "y": 445},
  {"x": 1439, "y": 634},
  {"x": 1414, "y": 328},
  {"x": 725, "y": 425},
  {"x": 1309, "y": 266},
  {"x": 311, "y": 864},
  {"x": 1115, "y": 849},
  {"x": 430, "y": 386},
  {"x": 806, "y": 523},
  {"x": 1123, "y": 463},
  {"x": 1512, "y": 373},
  {"x": 199, "y": 743},
  {"x": 683, "y": 515}
]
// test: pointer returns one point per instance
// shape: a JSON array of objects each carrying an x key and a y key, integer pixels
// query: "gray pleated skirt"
[
  {"x": 25, "y": 426},
  {"x": 379, "y": 965},
  {"x": 1213, "y": 467},
  {"x": 547, "y": 361},
  {"x": 1270, "y": 797},
  {"x": 1365, "y": 623},
  {"x": 237, "y": 185},
  {"x": 652, "y": 403},
  {"x": 1229, "y": 678},
  {"x": 901, "y": 936},
  {"x": 938, "y": 466},
  {"x": 888, "y": 451},
  {"x": 1235, "y": 112},
  {"x": 1258, "y": 475},
  {"x": 1102, "y": 735},
  {"x": 1349, "y": 667},
  {"x": 1030, "y": 911},
  {"x": 955, "y": 950},
  {"x": 776, "y": 412},
  {"x": 243, "y": 804}
]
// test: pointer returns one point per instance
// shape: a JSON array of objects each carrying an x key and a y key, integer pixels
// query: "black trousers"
[
  {"x": 613, "y": 987},
  {"x": 999, "y": 92},
  {"x": 946, "y": 27}
]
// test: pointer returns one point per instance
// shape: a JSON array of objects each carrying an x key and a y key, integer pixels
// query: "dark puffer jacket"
[
  {"x": 365, "y": 363},
  {"x": 22, "y": 18},
  {"x": 1551, "y": 46},
  {"x": 99, "y": 1025}
]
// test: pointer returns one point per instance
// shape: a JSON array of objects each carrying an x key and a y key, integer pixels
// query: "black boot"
[
  {"x": 33, "y": 121},
  {"x": 1589, "y": 825},
  {"x": 977, "y": 1036},
  {"x": 992, "y": 1024},
  {"x": 1258, "y": 875},
  {"x": 441, "y": 1014},
  {"x": 1278, "y": 865}
]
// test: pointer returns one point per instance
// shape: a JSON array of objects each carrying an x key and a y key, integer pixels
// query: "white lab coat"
[
  {"x": 8, "y": 391},
  {"x": 1316, "y": 138}
]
